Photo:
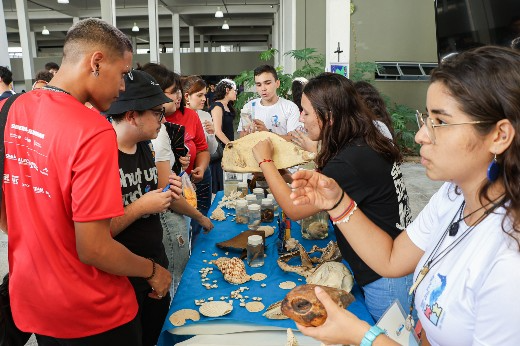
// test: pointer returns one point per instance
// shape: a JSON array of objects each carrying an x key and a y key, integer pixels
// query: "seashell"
[
  {"x": 291, "y": 339},
  {"x": 233, "y": 269},
  {"x": 255, "y": 306},
  {"x": 332, "y": 274},
  {"x": 302, "y": 305},
  {"x": 287, "y": 285},
  {"x": 179, "y": 317},
  {"x": 274, "y": 312},
  {"x": 215, "y": 309},
  {"x": 268, "y": 230},
  {"x": 258, "y": 276},
  {"x": 218, "y": 214}
]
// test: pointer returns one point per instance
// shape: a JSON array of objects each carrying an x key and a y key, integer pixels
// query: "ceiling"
[{"x": 250, "y": 21}]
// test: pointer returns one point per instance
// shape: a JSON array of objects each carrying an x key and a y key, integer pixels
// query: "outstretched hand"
[
  {"x": 263, "y": 150},
  {"x": 340, "y": 327},
  {"x": 315, "y": 189}
]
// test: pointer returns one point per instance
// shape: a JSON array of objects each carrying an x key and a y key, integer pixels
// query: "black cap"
[{"x": 142, "y": 92}]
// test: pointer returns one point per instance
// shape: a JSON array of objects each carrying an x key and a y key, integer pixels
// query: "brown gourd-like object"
[{"x": 302, "y": 305}]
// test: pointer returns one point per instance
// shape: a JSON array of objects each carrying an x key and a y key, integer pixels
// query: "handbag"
[{"x": 10, "y": 335}]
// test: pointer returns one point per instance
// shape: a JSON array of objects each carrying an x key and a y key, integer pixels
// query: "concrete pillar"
[
  {"x": 108, "y": 11},
  {"x": 288, "y": 34},
  {"x": 134, "y": 44},
  {"x": 25, "y": 40},
  {"x": 276, "y": 36},
  {"x": 34, "y": 49},
  {"x": 176, "y": 34},
  {"x": 201, "y": 42},
  {"x": 4, "y": 53},
  {"x": 337, "y": 11},
  {"x": 192, "y": 38},
  {"x": 153, "y": 25}
]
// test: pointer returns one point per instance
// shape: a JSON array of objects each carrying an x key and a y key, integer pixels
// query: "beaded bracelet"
[
  {"x": 153, "y": 270},
  {"x": 345, "y": 216},
  {"x": 264, "y": 160}
]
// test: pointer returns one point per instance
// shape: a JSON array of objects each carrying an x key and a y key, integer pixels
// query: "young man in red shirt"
[{"x": 61, "y": 189}]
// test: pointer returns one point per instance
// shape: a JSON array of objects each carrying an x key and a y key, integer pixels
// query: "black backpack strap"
[{"x": 3, "y": 121}]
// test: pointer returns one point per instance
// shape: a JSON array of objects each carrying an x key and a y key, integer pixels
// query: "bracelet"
[
  {"x": 371, "y": 335},
  {"x": 345, "y": 217},
  {"x": 264, "y": 160},
  {"x": 345, "y": 212},
  {"x": 153, "y": 270},
  {"x": 337, "y": 203}
]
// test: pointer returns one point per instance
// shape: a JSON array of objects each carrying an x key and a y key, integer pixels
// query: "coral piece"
[
  {"x": 291, "y": 338},
  {"x": 287, "y": 285},
  {"x": 268, "y": 230},
  {"x": 218, "y": 214},
  {"x": 258, "y": 276},
  {"x": 329, "y": 253},
  {"x": 255, "y": 306},
  {"x": 233, "y": 269}
]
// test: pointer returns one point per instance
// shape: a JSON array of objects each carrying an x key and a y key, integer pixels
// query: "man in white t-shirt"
[{"x": 271, "y": 112}]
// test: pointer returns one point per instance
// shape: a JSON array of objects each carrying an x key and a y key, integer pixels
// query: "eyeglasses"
[
  {"x": 424, "y": 119},
  {"x": 159, "y": 113}
]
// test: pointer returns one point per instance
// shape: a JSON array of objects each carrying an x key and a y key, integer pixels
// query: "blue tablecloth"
[{"x": 191, "y": 288}]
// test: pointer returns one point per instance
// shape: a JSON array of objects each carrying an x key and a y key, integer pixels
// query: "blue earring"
[{"x": 493, "y": 170}]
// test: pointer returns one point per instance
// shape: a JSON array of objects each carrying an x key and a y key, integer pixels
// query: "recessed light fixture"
[
  {"x": 45, "y": 31},
  {"x": 219, "y": 13},
  {"x": 135, "y": 28},
  {"x": 63, "y": 1},
  {"x": 225, "y": 26}
]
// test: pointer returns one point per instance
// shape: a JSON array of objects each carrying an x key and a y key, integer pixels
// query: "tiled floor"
[{"x": 419, "y": 188}]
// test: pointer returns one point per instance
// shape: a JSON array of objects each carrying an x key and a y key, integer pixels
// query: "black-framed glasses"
[
  {"x": 159, "y": 113},
  {"x": 424, "y": 119}
]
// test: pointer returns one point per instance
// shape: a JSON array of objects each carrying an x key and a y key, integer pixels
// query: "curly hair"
[
  {"x": 345, "y": 118},
  {"x": 486, "y": 84}
]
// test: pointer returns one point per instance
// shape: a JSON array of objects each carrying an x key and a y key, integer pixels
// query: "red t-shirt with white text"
[{"x": 61, "y": 167}]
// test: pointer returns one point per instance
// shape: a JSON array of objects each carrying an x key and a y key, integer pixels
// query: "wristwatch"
[{"x": 371, "y": 335}]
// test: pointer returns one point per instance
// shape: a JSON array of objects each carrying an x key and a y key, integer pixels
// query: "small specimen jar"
[
  {"x": 254, "y": 216},
  {"x": 267, "y": 210},
  {"x": 275, "y": 204},
  {"x": 242, "y": 188},
  {"x": 251, "y": 199},
  {"x": 255, "y": 251},
  {"x": 259, "y": 193},
  {"x": 242, "y": 214}
]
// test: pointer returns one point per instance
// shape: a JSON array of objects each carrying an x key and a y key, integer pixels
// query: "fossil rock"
[
  {"x": 302, "y": 305},
  {"x": 332, "y": 274}
]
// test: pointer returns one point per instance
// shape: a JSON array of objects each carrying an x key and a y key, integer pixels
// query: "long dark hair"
[
  {"x": 486, "y": 84},
  {"x": 345, "y": 118},
  {"x": 375, "y": 103}
]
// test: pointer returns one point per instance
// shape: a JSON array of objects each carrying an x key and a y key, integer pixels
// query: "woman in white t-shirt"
[{"x": 464, "y": 246}]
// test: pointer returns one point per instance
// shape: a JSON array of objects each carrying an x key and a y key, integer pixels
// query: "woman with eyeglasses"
[
  {"x": 364, "y": 162},
  {"x": 223, "y": 115},
  {"x": 464, "y": 246},
  {"x": 175, "y": 221},
  {"x": 194, "y": 94}
]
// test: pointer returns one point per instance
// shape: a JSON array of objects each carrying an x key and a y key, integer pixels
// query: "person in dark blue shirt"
[{"x": 6, "y": 78}]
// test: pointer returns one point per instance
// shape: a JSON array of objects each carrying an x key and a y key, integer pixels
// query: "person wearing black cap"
[{"x": 136, "y": 117}]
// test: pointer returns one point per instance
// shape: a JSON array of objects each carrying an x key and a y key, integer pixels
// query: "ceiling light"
[
  {"x": 219, "y": 13},
  {"x": 135, "y": 28},
  {"x": 45, "y": 31},
  {"x": 63, "y": 1},
  {"x": 225, "y": 26}
]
